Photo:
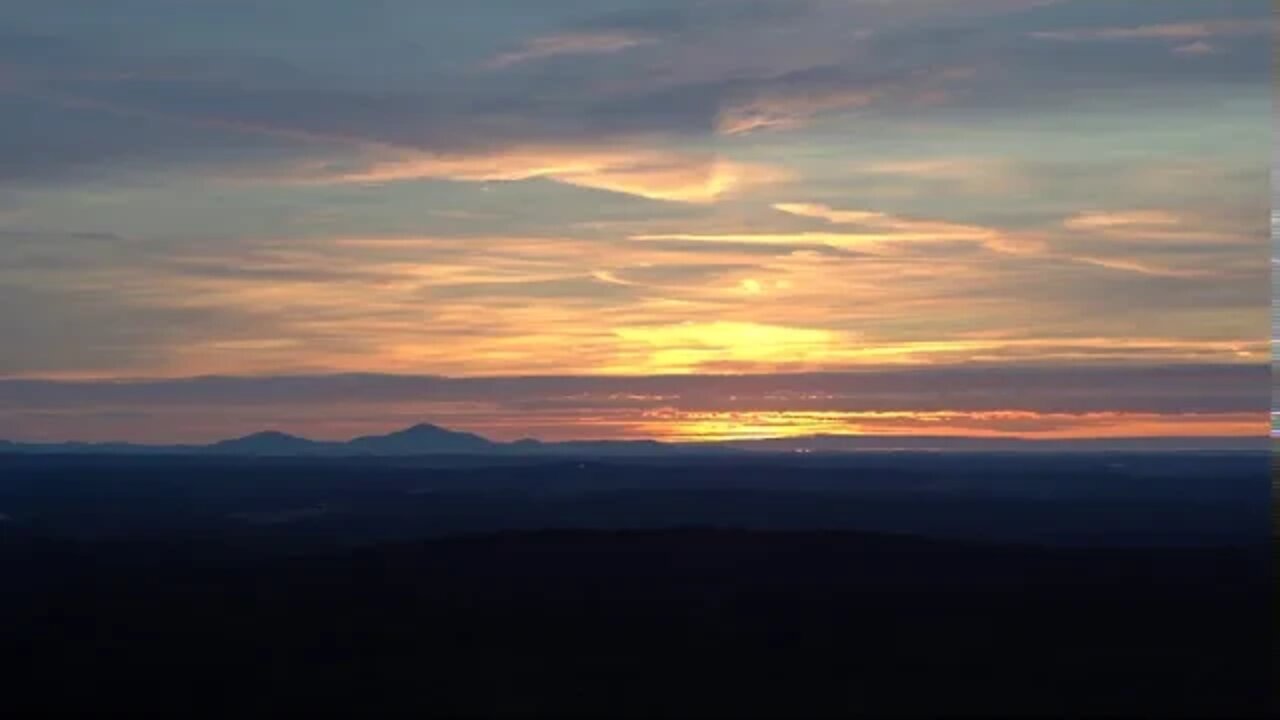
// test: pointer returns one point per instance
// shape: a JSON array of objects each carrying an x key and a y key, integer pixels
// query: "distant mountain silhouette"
[
  {"x": 427, "y": 439},
  {"x": 423, "y": 439},
  {"x": 268, "y": 443}
]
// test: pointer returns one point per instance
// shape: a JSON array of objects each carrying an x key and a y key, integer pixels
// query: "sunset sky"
[{"x": 677, "y": 219}]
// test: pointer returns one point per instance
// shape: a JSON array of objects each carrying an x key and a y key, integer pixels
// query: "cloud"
[
  {"x": 694, "y": 347},
  {"x": 952, "y": 168},
  {"x": 984, "y": 175},
  {"x": 669, "y": 275},
  {"x": 571, "y": 43},
  {"x": 291, "y": 204},
  {"x": 1067, "y": 400},
  {"x": 487, "y": 305},
  {"x": 781, "y": 110},
  {"x": 793, "y": 100},
  {"x": 689, "y": 346},
  {"x": 1138, "y": 232},
  {"x": 891, "y": 229},
  {"x": 95, "y": 325},
  {"x": 1198, "y": 47},
  {"x": 1129, "y": 219},
  {"x": 657, "y": 175},
  {"x": 1170, "y": 31},
  {"x": 1153, "y": 226},
  {"x": 275, "y": 90},
  {"x": 797, "y": 240},
  {"x": 1190, "y": 39},
  {"x": 1137, "y": 266},
  {"x": 1063, "y": 388}
]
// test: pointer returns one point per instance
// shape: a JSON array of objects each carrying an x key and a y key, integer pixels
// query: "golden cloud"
[
  {"x": 672, "y": 176},
  {"x": 1142, "y": 268},
  {"x": 493, "y": 305},
  {"x": 900, "y": 229},
  {"x": 726, "y": 425},
  {"x": 1156, "y": 226},
  {"x": 1110, "y": 220},
  {"x": 685, "y": 347},
  {"x": 881, "y": 231}
]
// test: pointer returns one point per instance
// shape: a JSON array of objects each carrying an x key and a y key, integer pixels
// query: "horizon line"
[{"x": 685, "y": 443}]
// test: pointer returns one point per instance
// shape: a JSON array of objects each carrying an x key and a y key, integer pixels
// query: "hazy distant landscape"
[
  {"x": 1078, "y": 498},
  {"x": 1007, "y": 584}
]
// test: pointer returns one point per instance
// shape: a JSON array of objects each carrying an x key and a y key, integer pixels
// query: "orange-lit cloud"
[
  {"x": 899, "y": 229},
  {"x": 844, "y": 241},
  {"x": 880, "y": 230},
  {"x": 688, "y": 346},
  {"x": 751, "y": 425},
  {"x": 673, "y": 176},
  {"x": 1113, "y": 220},
  {"x": 485, "y": 305},
  {"x": 1136, "y": 266},
  {"x": 681, "y": 302},
  {"x": 692, "y": 347},
  {"x": 1155, "y": 226}
]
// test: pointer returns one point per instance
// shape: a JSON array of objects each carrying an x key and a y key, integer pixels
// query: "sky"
[{"x": 672, "y": 219}]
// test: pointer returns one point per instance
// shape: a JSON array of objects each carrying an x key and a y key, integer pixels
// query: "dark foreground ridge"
[
  {"x": 678, "y": 622},
  {"x": 909, "y": 585}
]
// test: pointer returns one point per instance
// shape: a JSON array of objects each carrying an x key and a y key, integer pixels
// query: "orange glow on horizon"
[{"x": 753, "y": 425}]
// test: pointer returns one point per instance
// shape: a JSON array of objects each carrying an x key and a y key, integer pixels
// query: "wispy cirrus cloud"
[
  {"x": 1190, "y": 39},
  {"x": 600, "y": 42},
  {"x": 1167, "y": 31},
  {"x": 978, "y": 175},
  {"x": 786, "y": 111},
  {"x": 1199, "y": 47},
  {"x": 796, "y": 99},
  {"x": 1154, "y": 226},
  {"x": 886, "y": 229},
  {"x": 695, "y": 177}
]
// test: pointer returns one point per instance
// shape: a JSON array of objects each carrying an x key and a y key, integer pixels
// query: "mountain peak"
[
  {"x": 268, "y": 441},
  {"x": 269, "y": 435},
  {"x": 424, "y": 429},
  {"x": 423, "y": 438}
]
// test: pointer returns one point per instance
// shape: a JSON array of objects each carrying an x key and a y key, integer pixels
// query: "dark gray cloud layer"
[
  {"x": 1170, "y": 389},
  {"x": 181, "y": 82}
]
